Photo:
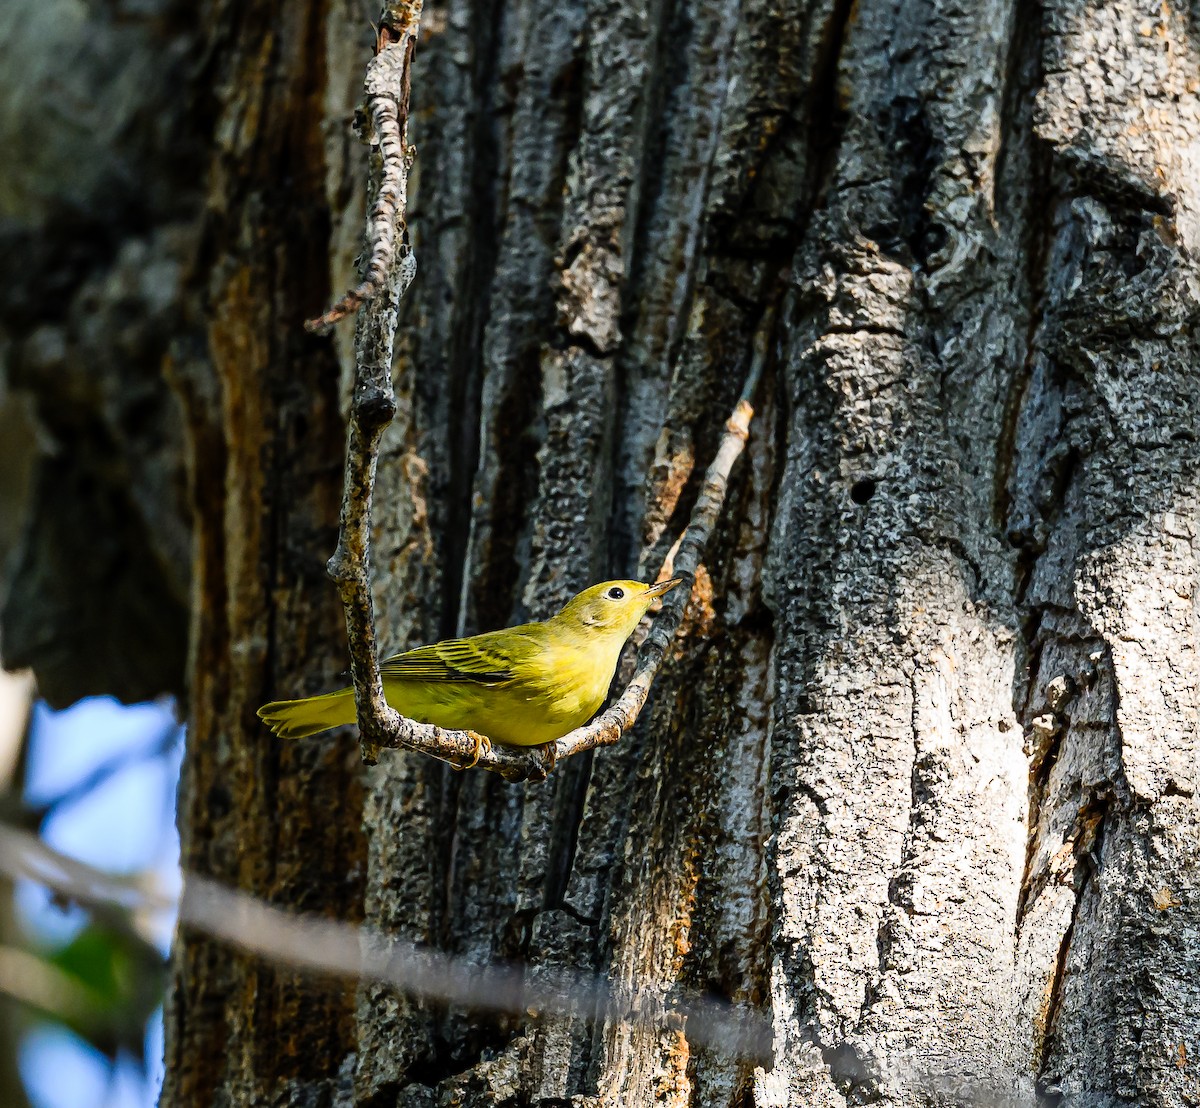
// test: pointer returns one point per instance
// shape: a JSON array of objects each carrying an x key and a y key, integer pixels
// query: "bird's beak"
[{"x": 664, "y": 587}]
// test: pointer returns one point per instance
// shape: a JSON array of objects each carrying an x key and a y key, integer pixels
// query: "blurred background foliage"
[
  {"x": 82, "y": 983},
  {"x": 99, "y": 204}
]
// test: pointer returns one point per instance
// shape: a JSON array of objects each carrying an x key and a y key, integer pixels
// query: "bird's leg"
[
  {"x": 550, "y": 753},
  {"x": 483, "y": 745}
]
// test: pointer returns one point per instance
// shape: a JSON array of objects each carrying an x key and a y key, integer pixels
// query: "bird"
[{"x": 522, "y": 686}]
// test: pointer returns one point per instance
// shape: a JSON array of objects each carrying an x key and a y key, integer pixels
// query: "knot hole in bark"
[{"x": 862, "y": 490}]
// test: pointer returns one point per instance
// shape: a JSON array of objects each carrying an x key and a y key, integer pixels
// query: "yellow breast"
[{"x": 554, "y": 692}]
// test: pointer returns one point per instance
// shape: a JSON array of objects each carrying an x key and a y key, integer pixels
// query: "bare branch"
[
  {"x": 373, "y": 406},
  {"x": 387, "y": 85}
]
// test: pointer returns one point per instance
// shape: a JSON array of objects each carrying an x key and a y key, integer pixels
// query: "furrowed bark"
[
  {"x": 960, "y": 418},
  {"x": 918, "y": 771}
]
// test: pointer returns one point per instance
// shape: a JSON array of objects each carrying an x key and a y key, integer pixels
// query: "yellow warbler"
[{"x": 522, "y": 686}]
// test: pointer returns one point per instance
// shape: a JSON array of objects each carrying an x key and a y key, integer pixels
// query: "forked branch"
[{"x": 389, "y": 272}]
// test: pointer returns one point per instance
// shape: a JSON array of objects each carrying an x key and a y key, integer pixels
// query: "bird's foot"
[
  {"x": 483, "y": 745},
  {"x": 550, "y": 755}
]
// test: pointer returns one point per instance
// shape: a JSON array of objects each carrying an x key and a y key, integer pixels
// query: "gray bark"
[{"x": 921, "y": 777}]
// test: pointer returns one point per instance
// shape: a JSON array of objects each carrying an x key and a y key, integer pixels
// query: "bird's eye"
[{"x": 615, "y": 593}]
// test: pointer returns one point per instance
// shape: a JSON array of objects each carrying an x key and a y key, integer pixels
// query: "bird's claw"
[{"x": 483, "y": 745}]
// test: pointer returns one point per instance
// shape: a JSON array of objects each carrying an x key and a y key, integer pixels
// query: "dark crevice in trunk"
[
  {"x": 571, "y": 797},
  {"x": 917, "y": 155},
  {"x": 826, "y": 116},
  {"x": 495, "y": 581},
  {"x": 667, "y": 74},
  {"x": 1087, "y": 842},
  {"x": 496, "y": 585},
  {"x": 466, "y": 351},
  {"x": 851, "y": 1074},
  {"x": 1028, "y": 204},
  {"x": 1022, "y": 78}
]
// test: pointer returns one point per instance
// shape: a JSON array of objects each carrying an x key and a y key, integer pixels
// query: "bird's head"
[{"x": 615, "y": 607}]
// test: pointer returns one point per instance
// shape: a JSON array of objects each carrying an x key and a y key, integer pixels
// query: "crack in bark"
[
  {"x": 1085, "y": 845},
  {"x": 900, "y": 878},
  {"x": 567, "y": 824},
  {"x": 1043, "y": 758},
  {"x": 466, "y": 348},
  {"x": 827, "y": 121},
  {"x": 1022, "y": 80}
]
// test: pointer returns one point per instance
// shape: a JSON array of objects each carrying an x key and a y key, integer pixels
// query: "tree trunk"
[{"x": 920, "y": 778}]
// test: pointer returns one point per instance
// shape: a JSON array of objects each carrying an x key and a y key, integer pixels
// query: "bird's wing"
[{"x": 490, "y": 659}]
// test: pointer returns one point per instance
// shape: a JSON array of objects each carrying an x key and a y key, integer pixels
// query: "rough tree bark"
[{"x": 922, "y": 776}]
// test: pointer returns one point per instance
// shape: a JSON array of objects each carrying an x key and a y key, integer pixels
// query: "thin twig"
[
  {"x": 346, "y": 950},
  {"x": 373, "y": 404},
  {"x": 386, "y": 86}
]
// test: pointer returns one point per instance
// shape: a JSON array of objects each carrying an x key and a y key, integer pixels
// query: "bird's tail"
[{"x": 297, "y": 719}]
